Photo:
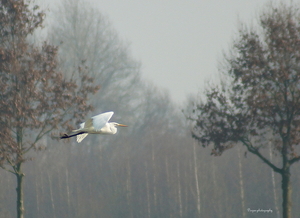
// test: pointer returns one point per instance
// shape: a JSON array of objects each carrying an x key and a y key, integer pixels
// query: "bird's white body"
[{"x": 97, "y": 125}]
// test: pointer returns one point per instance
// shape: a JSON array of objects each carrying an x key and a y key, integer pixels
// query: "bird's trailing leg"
[{"x": 65, "y": 136}]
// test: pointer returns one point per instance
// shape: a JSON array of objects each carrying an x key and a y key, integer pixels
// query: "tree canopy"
[
  {"x": 261, "y": 104},
  {"x": 35, "y": 97}
]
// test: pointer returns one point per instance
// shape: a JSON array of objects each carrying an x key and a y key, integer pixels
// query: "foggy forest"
[{"x": 172, "y": 160}]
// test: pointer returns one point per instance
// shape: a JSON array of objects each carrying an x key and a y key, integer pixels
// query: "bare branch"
[
  {"x": 294, "y": 160},
  {"x": 255, "y": 151}
]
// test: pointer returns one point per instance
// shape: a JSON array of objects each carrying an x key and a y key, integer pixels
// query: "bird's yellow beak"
[{"x": 122, "y": 125}]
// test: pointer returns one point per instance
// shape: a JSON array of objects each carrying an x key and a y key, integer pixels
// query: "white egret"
[{"x": 96, "y": 125}]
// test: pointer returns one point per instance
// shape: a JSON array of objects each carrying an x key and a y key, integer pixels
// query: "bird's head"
[
  {"x": 118, "y": 124},
  {"x": 113, "y": 127}
]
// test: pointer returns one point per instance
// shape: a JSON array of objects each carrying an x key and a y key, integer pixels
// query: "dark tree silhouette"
[
  {"x": 35, "y": 98},
  {"x": 261, "y": 106}
]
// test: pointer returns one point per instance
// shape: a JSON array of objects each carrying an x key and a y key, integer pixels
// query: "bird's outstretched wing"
[
  {"x": 100, "y": 120},
  {"x": 87, "y": 124},
  {"x": 81, "y": 137},
  {"x": 97, "y": 122}
]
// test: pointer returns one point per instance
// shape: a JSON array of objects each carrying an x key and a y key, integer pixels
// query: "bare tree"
[
  {"x": 35, "y": 98},
  {"x": 83, "y": 33},
  {"x": 262, "y": 104}
]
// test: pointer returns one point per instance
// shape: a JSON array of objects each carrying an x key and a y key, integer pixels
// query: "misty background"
[{"x": 179, "y": 43}]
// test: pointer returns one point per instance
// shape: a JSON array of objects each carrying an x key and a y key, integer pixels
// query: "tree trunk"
[
  {"x": 19, "y": 174},
  {"x": 286, "y": 193},
  {"x": 51, "y": 195},
  {"x": 274, "y": 184},
  {"x": 128, "y": 189},
  {"x": 148, "y": 191},
  {"x": 179, "y": 191},
  {"x": 196, "y": 179},
  {"x": 68, "y": 192},
  {"x": 154, "y": 175},
  {"x": 20, "y": 194},
  {"x": 37, "y": 197},
  {"x": 242, "y": 193}
]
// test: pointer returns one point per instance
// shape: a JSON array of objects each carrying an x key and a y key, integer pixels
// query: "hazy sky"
[{"x": 179, "y": 42}]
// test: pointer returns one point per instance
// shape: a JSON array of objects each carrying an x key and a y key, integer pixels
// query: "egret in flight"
[{"x": 96, "y": 125}]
